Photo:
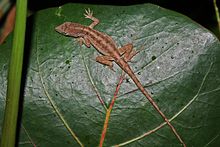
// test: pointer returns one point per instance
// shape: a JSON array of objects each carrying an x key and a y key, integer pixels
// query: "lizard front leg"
[
  {"x": 127, "y": 52},
  {"x": 88, "y": 14},
  {"x": 106, "y": 60},
  {"x": 84, "y": 40}
]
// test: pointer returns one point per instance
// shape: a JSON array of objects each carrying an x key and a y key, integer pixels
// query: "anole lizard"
[{"x": 110, "y": 52}]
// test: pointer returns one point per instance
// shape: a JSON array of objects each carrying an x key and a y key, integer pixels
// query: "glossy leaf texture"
[{"x": 178, "y": 63}]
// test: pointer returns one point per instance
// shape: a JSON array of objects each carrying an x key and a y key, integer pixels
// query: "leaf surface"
[{"x": 178, "y": 64}]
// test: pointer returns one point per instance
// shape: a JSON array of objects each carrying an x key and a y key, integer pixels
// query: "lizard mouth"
[{"x": 59, "y": 29}]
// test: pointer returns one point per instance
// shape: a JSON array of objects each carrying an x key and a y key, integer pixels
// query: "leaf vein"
[
  {"x": 171, "y": 119},
  {"x": 61, "y": 117},
  {"x": 92, "y": 82}
]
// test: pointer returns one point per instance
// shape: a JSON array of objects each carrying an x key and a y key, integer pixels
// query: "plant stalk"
[
  {"x": 14, "y": 77},
  {"x": 217, "y": 14}
]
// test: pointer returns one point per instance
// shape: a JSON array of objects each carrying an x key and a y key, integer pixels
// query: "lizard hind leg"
[
  {"x": 106, "y": 60},
  {"x": 127, "y": 52}
]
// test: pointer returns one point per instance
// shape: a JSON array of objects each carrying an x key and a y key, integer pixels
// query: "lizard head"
[{"x": 70, "y": 29}]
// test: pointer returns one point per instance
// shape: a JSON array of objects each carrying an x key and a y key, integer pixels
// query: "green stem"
[
  {"x": 217, "y": 14},
  {"x": 14, "y": 77}
]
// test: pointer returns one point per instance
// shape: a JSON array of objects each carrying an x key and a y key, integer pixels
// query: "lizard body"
[
  {"x": 110, "y": 52},
  {"x": 102, "y": 42}
]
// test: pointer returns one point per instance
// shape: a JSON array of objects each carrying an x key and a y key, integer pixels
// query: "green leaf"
[{"x": 178, "y": 63}]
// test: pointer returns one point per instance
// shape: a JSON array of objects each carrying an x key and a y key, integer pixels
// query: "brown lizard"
[{"x": 110, "y": 52}]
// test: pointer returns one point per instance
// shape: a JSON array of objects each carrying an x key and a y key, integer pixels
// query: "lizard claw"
[{"x": 88, "y": 13}]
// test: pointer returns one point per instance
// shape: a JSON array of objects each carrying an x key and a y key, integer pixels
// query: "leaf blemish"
[
  {"x": 58, "y": 11},
  {"x": 153, "y": 58},
  {"x": 67, "y": 62}
]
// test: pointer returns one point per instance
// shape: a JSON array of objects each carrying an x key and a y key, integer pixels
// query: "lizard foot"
[
  {"x": 80, "y": 41},
  {"x": 88, "y": 13}
]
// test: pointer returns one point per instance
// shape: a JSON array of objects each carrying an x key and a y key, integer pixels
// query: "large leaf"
[{"x": 178, "y": 64}]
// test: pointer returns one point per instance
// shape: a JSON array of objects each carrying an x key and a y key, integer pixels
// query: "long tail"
[{"x": 129, "y": 71}]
